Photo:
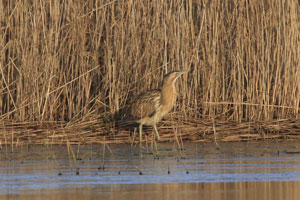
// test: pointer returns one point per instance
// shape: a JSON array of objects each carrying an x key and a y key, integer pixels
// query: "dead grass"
[
  {"x": 193, "y": 130},
  {"x": 64, "y": 63}
]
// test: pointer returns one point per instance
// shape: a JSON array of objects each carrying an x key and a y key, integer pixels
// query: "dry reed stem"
[
  {"x": 192, "y": 130},
  {"x": 63, "y": 62}
]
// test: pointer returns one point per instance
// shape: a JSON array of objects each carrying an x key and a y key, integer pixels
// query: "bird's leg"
[
  {"x": 134, "y": 132},
  {"x": 141, "y": 129},
  {"x": 155, "y": 128}
]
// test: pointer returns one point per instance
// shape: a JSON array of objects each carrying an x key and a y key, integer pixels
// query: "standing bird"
[{"x": 149, "y": 108}]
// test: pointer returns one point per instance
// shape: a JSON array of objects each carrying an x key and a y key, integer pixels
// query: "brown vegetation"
[{"x": 66, "y": 65}]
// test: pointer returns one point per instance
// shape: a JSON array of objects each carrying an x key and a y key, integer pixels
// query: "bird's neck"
[{"x": 168, "y": 95}]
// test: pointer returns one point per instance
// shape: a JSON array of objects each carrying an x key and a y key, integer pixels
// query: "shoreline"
[{"x": 95, "y": 131}]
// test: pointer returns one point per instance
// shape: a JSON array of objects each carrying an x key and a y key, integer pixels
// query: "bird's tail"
[{"x": 122, "y": 119}]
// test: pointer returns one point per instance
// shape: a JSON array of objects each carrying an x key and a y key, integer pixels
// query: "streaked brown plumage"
[{"x": 149, "y": 107}]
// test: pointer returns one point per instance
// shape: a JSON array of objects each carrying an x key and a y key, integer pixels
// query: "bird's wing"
[{"x": 145, "y": 104}]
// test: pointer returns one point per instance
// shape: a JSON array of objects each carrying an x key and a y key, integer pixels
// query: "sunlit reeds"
[{"x": 64, "y": 63}]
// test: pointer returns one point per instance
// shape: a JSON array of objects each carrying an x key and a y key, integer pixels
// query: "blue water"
[{"x": 241, "y": 162}]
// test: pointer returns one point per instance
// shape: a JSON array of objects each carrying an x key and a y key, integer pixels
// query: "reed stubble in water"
[{"x": 72, "y": 61}]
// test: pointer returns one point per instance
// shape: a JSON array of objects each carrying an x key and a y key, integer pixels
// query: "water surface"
[{"x": 232, "y": 170}]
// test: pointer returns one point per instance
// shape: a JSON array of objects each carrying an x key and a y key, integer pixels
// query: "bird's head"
[{"x": 171, "y": 77}]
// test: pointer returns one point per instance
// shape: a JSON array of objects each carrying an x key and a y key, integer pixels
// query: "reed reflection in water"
[{"x": 174, "y": 191}]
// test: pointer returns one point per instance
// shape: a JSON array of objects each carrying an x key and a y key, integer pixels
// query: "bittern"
[{"x": 149, "y": 107}]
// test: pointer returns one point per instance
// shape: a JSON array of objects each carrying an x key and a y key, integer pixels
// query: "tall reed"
[{"x": 65, "y": 60}]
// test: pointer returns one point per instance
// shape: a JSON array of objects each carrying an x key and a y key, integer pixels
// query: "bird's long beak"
[{"x": 178, "y": 74}]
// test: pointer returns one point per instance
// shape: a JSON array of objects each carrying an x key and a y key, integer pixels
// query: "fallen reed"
[
  {"x": 67, "y": 66},
  {"x": 193, "y": 130}
]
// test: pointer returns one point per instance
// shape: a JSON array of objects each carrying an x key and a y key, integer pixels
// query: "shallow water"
[{"x": 233, "y": 170}]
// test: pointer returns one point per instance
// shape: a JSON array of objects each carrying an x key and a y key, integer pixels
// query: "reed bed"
[
  {"x": 172, "y": 129},
  {"x": 65, "y": 65}
]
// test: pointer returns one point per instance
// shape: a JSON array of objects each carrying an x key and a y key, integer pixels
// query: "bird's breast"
[{"x": 168, "y": 96}]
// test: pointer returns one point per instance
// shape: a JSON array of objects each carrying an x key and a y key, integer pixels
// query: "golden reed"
[{"x": 63, "y": 61}]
